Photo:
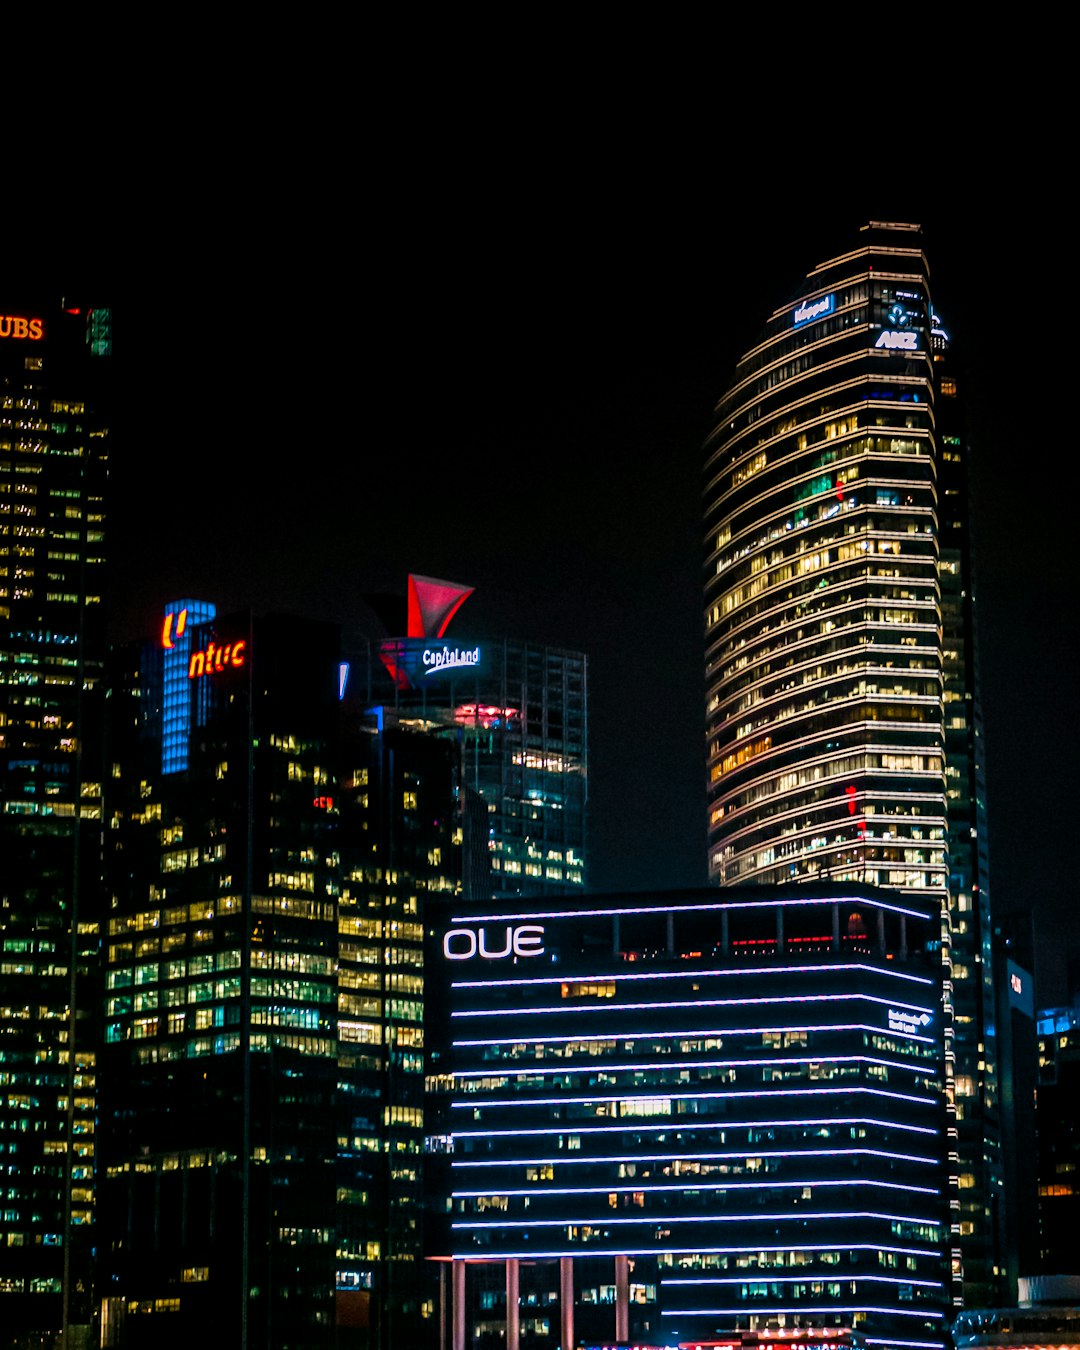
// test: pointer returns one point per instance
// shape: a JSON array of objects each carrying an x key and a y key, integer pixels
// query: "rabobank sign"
[{"x": 810, "y": 310}]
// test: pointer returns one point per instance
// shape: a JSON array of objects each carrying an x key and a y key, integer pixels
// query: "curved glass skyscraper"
[
  {"x": 842, "y": 713},
  {"x": 824, "y": 668}
]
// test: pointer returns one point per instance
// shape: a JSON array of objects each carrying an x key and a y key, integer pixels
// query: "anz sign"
[{"x": 905, "y": 340}]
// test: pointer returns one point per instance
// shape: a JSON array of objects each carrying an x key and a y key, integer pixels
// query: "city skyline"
[{"x": 608, "y": 564}]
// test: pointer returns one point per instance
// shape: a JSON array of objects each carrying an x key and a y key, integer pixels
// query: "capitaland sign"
[
  {"x": 217, "y": 658},
  {"x": 896, "y": 340},
  {"x": 14, "y": 326},
  {"x": 810, "y": 310},
  {"x": 493, "y": 943},
  {"x": 437, "y": 659}
]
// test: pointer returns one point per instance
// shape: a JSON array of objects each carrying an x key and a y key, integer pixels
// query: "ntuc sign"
[
  {"x": 217, "y": 658},
  {"x": 493, "y": 944},
  {"x": 14, "y": 326}
]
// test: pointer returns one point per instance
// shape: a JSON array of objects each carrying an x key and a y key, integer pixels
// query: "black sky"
[{"x": 478, "y": 333}]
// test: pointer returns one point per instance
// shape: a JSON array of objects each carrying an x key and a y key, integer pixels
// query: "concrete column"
[
  {"x": 725, "y": 940},
  {"x": 670, "y": 934},
  {"x": 566, "y": 1302},
  {"x": 779, "y": 928},
  {"x": 442, "y": 1305},
  {"x": 459, "y": 1305},
  {"x": 903, "y": 937},
  {"x": 622, "y": 1298},
  {"x": 881, "y": 931},
  {"x": 513, "y": 1310},
  {"x": 836, "y": 928},
  {"x": 614, "y": 935}
]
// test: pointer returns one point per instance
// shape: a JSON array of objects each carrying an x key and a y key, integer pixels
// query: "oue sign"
[{"x": 493, "y": 944}]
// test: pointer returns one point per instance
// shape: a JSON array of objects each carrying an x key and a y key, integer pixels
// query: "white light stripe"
[
  {"x": 764, "y": 1060},
  {"x": 692, "y": 972},
  {"x": 691, "y": 1003},
  {"x": 680, "y": 1188},
  {"x": 764, "y": 1277},
  {"x": 489, "y": 1103},
  {"x": 603, "y": 1221},
  {"x": 731, "y": 905},
  {"x": 915, "y": 1345},
  {"x": 759, "y": 1306},
  {"x": 540, "y": 1039},
  {"x": 643, "y": 1126},
  {"x": 680, "y": 1157},
  {"x": 511, "y": 1252}
]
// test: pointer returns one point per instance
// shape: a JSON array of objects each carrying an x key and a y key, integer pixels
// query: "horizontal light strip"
[
  {"x": 603, "y": 1221},
  {"x": 561, "y": 1009},
  {"x": 732, "y": 905},
  {"x": 680, "y": 1188},
  {"x": 914, "y": 1345},
  {"x": 763, "y": 1278},
  {"x": 767, "y": 1309},
  {"x": 488, "y": 1103},
  {"x": 643, "y": 1126},
  {"x": 700, "y": 1157},
  {"x": 541, "y": 1039},
  {"x": 509, "y": 1253},
  {"x": 693, "y": 972},
  {"x": 765, "y": 1060}
]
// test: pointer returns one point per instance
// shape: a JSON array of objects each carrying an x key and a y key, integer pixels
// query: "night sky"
[{"x": 485, "y": 344}]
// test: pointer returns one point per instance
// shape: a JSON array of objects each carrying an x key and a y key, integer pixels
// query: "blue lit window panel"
[{"x": 180, "y": 620}]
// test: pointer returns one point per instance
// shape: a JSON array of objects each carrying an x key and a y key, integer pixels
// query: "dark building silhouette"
[{"x": 264, "y": 1060}]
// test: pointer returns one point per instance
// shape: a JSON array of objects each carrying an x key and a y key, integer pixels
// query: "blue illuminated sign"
[
  {"x": 810, "y": 310},
  {"x": 898, "y": 341}
]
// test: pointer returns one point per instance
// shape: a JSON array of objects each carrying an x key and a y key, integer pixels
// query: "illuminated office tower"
[
  {"x": 842, "y": 714},
  {"x": 54, "y": 436},
  {"x": 263, "y": 1072},
  {"x": 698, "y": 1119},
  {"x": 519, "y": 711}
]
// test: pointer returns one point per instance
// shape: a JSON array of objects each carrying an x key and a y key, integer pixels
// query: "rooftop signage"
[
  {"x": 810, "y": 310},
  {"x": 217, "y": 658},
  {"x": 13, "y": 326},
  {"x": 434, "y": 659},
  {"x": 462, "y": 944}
]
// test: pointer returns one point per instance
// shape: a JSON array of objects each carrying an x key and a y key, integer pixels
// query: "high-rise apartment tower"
[{"x": 842, "y": 717}]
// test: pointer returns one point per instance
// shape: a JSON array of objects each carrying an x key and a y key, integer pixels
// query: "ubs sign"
[{"x": 493, "y": 944}]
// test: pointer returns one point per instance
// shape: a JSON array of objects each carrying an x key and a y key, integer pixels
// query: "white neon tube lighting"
[
  {"x": 488, "y": 1103},
  {"x": 680, "y": 1157},
  {"x": 603, "y": 1221},
  {"x": 679, "y": 1187},
  {"x": 692, "y": 972},
  {"x": 654, "y": 1006},
  {"x": 635, "y": 1126},
  {"x": 764, "y": 1060},
  {"x": 730, "y": 905},
  {"x": 543, "y": 1039}
]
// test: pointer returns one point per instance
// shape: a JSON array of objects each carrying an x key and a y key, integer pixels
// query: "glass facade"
[
  {"x": 520, "y": 713},
  {"x": 843, "y": 726},
  {"x": 741, "y": 1096},
  {"x": 54, "y": 449}
]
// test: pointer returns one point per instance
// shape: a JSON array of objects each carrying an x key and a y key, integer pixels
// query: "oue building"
[
  {"x": 842, "y": 711},
  {"x": 696, "y": 1119}
]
